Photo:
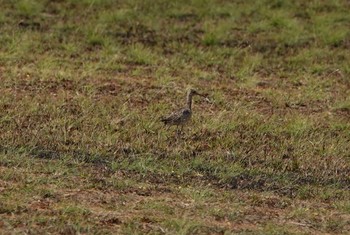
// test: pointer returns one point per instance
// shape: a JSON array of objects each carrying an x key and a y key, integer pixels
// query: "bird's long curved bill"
[{"x": 205, "y": 96}]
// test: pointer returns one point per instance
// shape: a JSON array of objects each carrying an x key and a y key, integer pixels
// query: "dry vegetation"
[{"x": 84, "y": 83}]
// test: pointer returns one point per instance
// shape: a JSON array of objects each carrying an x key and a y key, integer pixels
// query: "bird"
[{"x": 182, "y": 116}]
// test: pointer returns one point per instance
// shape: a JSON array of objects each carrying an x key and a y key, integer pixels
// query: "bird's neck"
[{"x": 189, "y": 101}]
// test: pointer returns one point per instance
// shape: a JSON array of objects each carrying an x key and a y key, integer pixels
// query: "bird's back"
[{"x": 178, "y": 118}]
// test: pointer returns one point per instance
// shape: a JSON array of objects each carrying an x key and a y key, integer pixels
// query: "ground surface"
[{"x": 84, "y": 83}]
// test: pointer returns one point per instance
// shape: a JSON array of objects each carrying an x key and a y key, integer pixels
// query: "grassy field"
[{"x": 84, "y": 84}]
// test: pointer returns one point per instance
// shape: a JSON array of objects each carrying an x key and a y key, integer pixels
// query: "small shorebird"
[{"x": 182, "y": 116}]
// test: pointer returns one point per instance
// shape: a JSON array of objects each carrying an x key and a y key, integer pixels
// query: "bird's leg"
[
  {"x": 177, "y": 130},
  {"x": 167, "y": 130},
  {"x": 182, "y": 132}
]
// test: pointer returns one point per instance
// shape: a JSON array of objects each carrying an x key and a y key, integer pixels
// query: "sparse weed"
[{"x": 84, "y": 84}]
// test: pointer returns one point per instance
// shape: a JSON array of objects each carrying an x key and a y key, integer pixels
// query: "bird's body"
[
  {"x": 182, "y": 116},
  {"x": 178, "y": 118}
]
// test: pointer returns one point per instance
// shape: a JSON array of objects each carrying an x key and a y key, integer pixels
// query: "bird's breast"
[{"x": 186, "y": 115}]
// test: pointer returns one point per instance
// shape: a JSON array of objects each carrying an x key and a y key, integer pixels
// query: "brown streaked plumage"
[{"x": 182, "y": 116}]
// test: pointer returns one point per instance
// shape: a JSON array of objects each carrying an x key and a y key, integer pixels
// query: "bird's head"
[{"x": 192, "y": 91}]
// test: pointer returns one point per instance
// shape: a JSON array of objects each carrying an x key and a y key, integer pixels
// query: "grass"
[{"x": 84, "y": 84}]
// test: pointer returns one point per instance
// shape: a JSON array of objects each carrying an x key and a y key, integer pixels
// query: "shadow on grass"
[{"x": 158, "y": 169}]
